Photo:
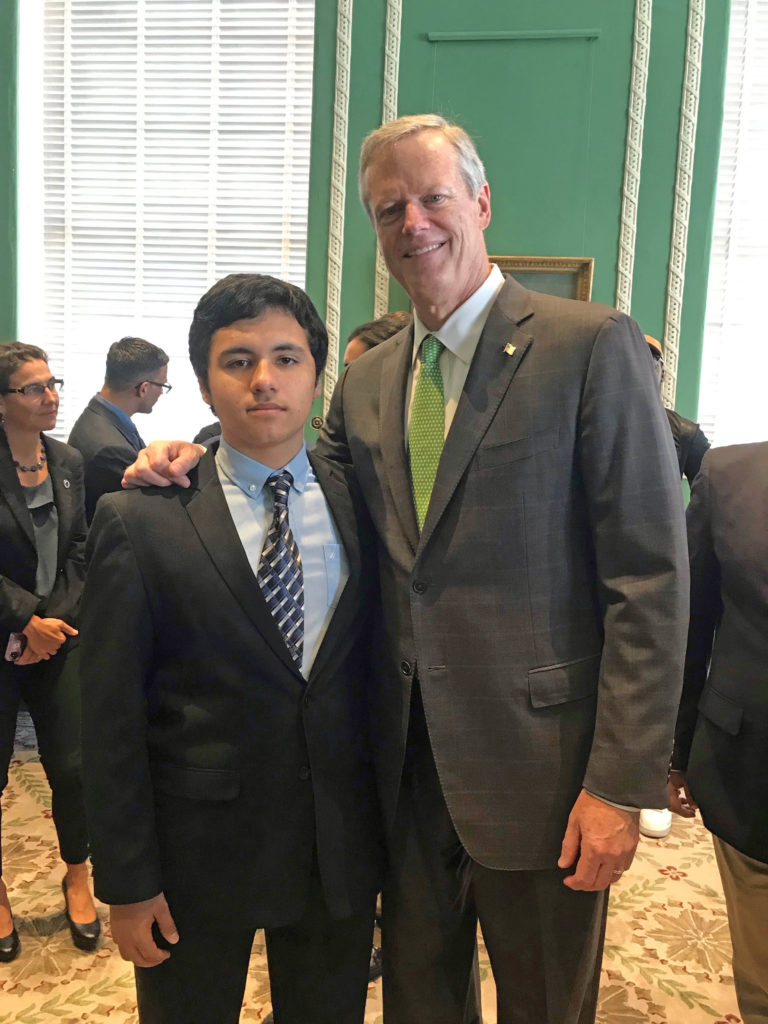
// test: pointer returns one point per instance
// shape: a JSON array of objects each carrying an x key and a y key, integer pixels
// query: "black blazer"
[
  {"x": 18, "y": 554},
  {"x": 107, "y": 450},
  {"x": 213, "y": 770},
  {"x": 721, "y": 739}
]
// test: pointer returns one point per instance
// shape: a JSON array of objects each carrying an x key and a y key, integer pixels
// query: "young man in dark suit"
[
  {"x": 224, "y": 711},
  {"x": 104, "y": 432}
]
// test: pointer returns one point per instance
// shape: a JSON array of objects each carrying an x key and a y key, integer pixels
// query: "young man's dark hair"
[
  {"x": 131, "y": 361},
  {"x": 247, "y": 297}
]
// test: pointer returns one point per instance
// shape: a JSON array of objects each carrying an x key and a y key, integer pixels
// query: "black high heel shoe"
[
  {"x": 10, "y": 946},
  {"x": 84, "y": 936}
]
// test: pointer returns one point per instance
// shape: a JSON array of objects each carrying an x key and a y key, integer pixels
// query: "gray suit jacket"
[
  {"x": 544, "y": 605},
  {"x": 107, "y": 449},
  {"x": 721, "y": 739}
]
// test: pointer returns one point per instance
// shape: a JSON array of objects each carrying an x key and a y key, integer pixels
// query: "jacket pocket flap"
[
  {"x": 723, "y": 712},
  {"x": 196, "y": 783},
  {"x": 558, "y": 684},
  {"x": 492, "y": 455}
]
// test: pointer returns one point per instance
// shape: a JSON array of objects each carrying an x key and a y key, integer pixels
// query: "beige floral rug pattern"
[{"x": 667, "y": 953}]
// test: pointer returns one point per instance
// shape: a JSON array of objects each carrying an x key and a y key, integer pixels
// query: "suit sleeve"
[
  {"x": 706, "y": 608},
  {"x": 634, "y": 498},
  {"x": 117, "y": 646}
]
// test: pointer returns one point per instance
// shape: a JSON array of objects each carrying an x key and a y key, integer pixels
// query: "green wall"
[
  {"x": 8, "y": 63},
  {"x": 544, "y": 89}
]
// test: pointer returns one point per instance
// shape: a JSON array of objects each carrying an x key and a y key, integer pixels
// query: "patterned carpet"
[{"x": 667, "y": 957}]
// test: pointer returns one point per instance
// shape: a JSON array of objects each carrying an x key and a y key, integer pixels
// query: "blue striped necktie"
[{"x": 280, "y": 574}]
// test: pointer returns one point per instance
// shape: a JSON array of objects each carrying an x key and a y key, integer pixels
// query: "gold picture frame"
[{"x": 570, "y": 277}]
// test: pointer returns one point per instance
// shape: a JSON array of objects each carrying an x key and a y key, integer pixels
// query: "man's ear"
[
  {"x": 205, "y": 394},
  {"x": 318, "y": 387}
]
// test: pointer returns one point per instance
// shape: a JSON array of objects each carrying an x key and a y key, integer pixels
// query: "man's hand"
[
  {"x": 44, "y": 638},
  {"x": 680, "y": 799},
  {"x": 600, "y": 840},
  {"x": 163, "y": 463},
  {"x": 131, "y": 925}
]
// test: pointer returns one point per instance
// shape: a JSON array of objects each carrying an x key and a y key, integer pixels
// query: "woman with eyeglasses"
[{"x": 42, "y": 568}]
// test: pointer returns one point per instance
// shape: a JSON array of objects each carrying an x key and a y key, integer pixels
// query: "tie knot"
[
  {"x": 431, "y": 347},
  {"x": 280, "y": 484}
]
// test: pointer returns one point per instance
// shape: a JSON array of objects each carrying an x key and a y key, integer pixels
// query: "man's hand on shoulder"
[
  {"x": 600, "y": 840},
  {"x": 163, "y": 463},
  {"x": 131, "y": 925}
]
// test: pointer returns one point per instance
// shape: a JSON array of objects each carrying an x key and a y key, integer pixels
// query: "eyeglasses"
[
  {"x": 37, "y": 390},
  {"x": 158, "y": 384}
]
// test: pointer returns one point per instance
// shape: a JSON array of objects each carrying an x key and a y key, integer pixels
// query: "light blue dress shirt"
[{"x": 323, "y": 559}]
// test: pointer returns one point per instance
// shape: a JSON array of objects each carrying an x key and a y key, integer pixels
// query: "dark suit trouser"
[
  {"x": 51, "y": 690},
  {"x": 318, "y": 971},
  {"x": 544, "y": 941}
]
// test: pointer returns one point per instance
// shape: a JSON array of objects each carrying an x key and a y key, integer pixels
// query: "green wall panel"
[{"x": 544, "y": 88}]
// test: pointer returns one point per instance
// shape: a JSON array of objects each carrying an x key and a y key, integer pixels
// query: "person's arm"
[
  {"x": 117, "y": 650},
  {"x": 697, "y": 449},
  {"x": 631, "y": 478},
  {"x": 163, "y": 463},
  {"x": 705, "y": 611}
]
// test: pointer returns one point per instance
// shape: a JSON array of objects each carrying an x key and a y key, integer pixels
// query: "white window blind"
[
  {"x": 735, "y": 360},
  {"x": 163, "y": 144}
]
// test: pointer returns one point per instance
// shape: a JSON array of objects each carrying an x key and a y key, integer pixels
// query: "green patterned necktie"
[{"x": 426, "y": 432}]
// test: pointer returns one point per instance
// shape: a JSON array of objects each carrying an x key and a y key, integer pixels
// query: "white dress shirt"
[
  {"x": 459, "y": 334},
  {"x": 323, "y": 559}
]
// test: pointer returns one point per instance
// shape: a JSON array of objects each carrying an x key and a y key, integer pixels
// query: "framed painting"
[{"x": 570, "y": 277}]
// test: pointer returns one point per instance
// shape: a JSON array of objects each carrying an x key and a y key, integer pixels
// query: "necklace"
[{"x": 34, "y": 468}]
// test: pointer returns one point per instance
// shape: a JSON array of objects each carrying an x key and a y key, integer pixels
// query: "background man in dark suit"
[
  {"x": 515, "y": 458},
  {"x": 721, "y": 739},
  {"x": 224, "y": 711},
  {"x": 104, "y": 433}
]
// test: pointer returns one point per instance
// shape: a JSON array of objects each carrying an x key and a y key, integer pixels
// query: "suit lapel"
[
  {"x": 208, "y": 510},
  {"x": 334, "y": 486},
  {"x": 12, "y": 493},
  {"x": 500, "y": 351},
  {"x": 394, "y": 379}
]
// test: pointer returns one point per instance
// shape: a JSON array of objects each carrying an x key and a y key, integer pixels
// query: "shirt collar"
[
  {"x": 250, "y": 475},
  {"x": 121, "y": 415},
  {"x": 461, "y": 331}
]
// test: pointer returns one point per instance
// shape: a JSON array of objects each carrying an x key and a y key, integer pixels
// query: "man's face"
[
  {"x": 152, "y": 391},
  {"x": 430, "y": 229},
  {"x": 261, "y": 382}
]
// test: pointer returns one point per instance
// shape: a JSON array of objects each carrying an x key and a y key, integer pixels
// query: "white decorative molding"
[
  {"x": 641, "y": 52},
  {"x": 689, "y": 111},
  {"x": 338, "y": 195},
  {"x": 388, "y": 113}
]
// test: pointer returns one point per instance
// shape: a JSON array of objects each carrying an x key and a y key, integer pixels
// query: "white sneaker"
[{"x": 655, "y": 824}]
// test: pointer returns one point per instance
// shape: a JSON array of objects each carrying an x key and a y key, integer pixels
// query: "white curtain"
[
  {"x": 732, "y": 402},
  {"x": 163, "y": 144}
]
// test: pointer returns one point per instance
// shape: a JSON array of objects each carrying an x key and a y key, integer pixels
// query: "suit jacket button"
[
  {"x": 406, "y": 668},
  {"x": 304, "y": 772},
  {"x": 419, "y": 586},
  {"x": 307, "y": 700}
]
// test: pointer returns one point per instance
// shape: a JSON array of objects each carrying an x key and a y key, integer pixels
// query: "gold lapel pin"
[{"x": 509, "y": 348}]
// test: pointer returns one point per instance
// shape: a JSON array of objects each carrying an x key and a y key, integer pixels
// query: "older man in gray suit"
[{"x": 518, "y": 466}]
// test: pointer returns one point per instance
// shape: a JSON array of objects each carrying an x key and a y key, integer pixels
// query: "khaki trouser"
[{"x": 745, "y": 883}]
